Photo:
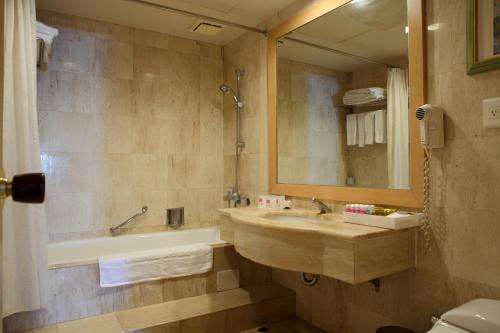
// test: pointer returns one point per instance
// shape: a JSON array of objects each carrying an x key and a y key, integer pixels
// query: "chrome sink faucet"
[{"x": 323, "y": 209}]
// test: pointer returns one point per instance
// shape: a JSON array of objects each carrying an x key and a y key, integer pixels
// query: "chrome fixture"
[
  {"x": 233, "y": 193},
  {"x": 308, "y": 279},
  {"x": 201, "y": 16},
  {"x": 121, "y": 225},
  {"x": 175, "y": 217},
  {"x": 323, "y": 209}
]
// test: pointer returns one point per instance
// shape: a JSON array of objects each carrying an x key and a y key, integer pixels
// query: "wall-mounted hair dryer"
[
  {"x": 431, "y": 136},
  {"x": 431, "y": 126}
]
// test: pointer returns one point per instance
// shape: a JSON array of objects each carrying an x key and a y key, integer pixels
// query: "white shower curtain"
[
  {"x": 25, "y": 273},
  {"x": 397, "y": 129}
]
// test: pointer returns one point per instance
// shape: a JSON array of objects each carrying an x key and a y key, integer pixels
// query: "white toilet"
[{"x": 477, "y": 316}]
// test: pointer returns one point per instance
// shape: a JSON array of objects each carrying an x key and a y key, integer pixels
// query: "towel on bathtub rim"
[{"x": 171, "y": 262}]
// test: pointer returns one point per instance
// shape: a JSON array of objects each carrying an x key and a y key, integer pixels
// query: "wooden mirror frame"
[{"x": 417, "y": 94}]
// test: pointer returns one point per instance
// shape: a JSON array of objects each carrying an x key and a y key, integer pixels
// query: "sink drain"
[{"x": 309, "y": 279}]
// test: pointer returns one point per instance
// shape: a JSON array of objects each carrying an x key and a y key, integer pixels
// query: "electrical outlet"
[
  {"x": 491, "y": 113},
  {"x": 494, "y": 113}
]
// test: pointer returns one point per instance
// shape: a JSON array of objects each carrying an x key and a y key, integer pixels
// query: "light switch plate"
[
  {"x": 229, "y": 279},
  {"x": 491, "y": 112}
]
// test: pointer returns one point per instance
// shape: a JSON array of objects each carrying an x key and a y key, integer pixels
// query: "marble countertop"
[{"x": 330, "y": 224}]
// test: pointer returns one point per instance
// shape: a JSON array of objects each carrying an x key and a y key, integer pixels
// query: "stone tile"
[
  {"x": 64, "y": 91},
  {"x": 151, "y": 39},
  {"x": 112, "y": 97},
  {"x": 114, "y": 59},
  {"x": 150, "y": 316},
  {"x": 167, "y": 328},
  {"x": 47, "y": 329},
  {"x": 184, "y": 45},
  {"x": 150, "y": 64},
  {"x": 73, "y": 52},
  {"x": 246, "y": 317},
  {"x": 105, "y": 324},
  {"x": 83, "y": 132},
  {"x": 114, "y": 32},
  {"x": 183, "y": 287},
  {"x": 212, "y": 323}
]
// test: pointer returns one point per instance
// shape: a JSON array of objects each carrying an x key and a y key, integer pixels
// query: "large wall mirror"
[{"x": 344, "y": 80}]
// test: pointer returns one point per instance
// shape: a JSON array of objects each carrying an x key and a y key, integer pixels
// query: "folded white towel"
[
  {"x": 366, "y": 91},
  {"x": 364, "y": 96},
  {"x": 369, "y": 125},
  {"x": 380, "y": 126},
  {"x": 135, "y": 267},
  {"x": 47, "y": 35},
  {"x": 351, "y": 127},
  {"x": 361, "y": 129}
]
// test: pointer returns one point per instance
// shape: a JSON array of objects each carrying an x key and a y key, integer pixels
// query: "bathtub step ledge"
[{"x": 242, "y": 309}]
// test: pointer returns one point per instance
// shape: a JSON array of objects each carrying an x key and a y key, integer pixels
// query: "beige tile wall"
[
  {"x": 128, "y": 118},
  {"x": 311, "y": 130},
  {"x": 464, "y": 262}
]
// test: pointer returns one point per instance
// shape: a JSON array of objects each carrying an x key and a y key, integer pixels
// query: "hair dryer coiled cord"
[{"x": 426, "y": 226}]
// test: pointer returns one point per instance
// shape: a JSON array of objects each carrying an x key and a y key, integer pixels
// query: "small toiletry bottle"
[
  {"x": 348, "y": 208},
  {"x": 277, "y": 202},
  {"x": 260, "y": 202}
]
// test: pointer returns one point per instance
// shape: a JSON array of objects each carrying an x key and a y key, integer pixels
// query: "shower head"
[{"x": 227, "y": 89}]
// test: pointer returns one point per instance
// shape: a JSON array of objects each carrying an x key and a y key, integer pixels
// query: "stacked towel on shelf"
[
  {"x": 134, "y": 267},
  {"x": 351, "y": 129},
  {"x": 364, "y": 96},
  {"x": 380, "y": 126},
  {"x": 369, "y": 126},
  {"x": 366, "y": 128},
  {"x": 361, "y": 129},
  {"x": 47, "y": 35}
]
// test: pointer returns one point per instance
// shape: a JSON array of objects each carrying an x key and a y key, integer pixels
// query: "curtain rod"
[
  {"x": 205, "y": 17},
  {"x": 325, "y": 48}
]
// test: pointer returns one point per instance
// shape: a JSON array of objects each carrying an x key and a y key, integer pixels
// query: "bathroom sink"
[
  {"x": 301, "y": 240},
  {"x": 293, "y": 218}
]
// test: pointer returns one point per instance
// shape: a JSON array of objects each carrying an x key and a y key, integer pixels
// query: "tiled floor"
[{"x": 289, "y": 326}]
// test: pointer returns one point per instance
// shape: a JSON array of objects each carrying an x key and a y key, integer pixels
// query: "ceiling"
[
  {"x": 373, "y": 29},
  {"x": 140, "y": 16}
]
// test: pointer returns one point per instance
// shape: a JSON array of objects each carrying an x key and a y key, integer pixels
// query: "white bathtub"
[{"x": 86, "y": 251}]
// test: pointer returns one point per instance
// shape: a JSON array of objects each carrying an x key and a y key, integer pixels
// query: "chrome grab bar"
[{"x": 121, "y": 225}]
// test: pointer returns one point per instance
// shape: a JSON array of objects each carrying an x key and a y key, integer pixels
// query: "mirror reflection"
[{"x": 343, "y": 98}]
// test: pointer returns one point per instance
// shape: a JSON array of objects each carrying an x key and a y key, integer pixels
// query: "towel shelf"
[{"x": 366, "y": 105}]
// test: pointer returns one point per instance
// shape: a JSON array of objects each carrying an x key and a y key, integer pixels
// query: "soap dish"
[{"x": 394, "y": 221}]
